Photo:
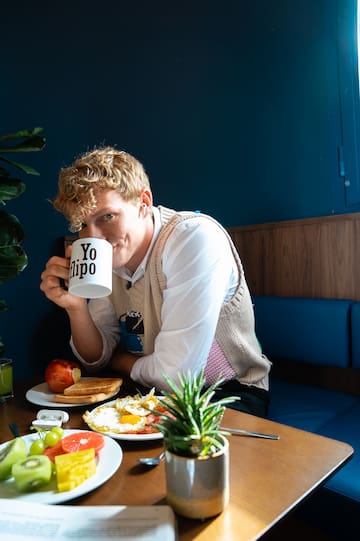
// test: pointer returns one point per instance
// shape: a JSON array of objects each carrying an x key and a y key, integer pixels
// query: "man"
[{"x": 180, "y": 300}]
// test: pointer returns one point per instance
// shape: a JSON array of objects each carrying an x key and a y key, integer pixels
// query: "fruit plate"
[
  {"x": 42, "y": 396},
  {"x": 125, "y": 436},
  {"x": 109, "y": 460}
]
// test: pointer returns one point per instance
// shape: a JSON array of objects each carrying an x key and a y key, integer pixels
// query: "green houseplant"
[
  {"x": 196, "y": 448},
  {"x": 13, "y": 258}
]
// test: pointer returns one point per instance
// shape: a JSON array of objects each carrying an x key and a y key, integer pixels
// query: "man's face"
[{"x": 123, "y": 224}]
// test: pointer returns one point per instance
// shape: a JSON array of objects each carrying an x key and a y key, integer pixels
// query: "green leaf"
[
  {"x": 10, "y": 188},
  {"x": 13, "y": 260},
  {"x": 11, "y": 230},
  {"x": 26, "y": 168},
  {"x": 190, "y": 421},
  {"x": 30, "y": 144},
  {"x": 21, "y": 133}
]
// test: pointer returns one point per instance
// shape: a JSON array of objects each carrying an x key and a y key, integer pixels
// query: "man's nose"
[{"x": 91, "y": 230}]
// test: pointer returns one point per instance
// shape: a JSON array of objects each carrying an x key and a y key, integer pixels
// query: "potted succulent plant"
[
  {"x": 13, "y": 258},
  {"x": 196, "y": 449}
]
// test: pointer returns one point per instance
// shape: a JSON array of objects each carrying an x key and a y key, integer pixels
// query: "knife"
[{"x": 14, "y": 429}]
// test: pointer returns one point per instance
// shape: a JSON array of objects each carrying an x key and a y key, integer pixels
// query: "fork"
[{"x": 237, "y": 431}]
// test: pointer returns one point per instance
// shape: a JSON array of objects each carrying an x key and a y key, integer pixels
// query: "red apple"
[{"x": 61, "y": 373}]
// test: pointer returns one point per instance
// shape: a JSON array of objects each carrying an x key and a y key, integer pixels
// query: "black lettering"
[{"x": 85, "y": 247}]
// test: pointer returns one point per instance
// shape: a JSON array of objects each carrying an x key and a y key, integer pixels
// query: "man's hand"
[{"x": 53, "y": 279}]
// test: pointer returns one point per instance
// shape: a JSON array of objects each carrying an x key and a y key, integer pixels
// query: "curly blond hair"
[{"x": 102, "y": 168}]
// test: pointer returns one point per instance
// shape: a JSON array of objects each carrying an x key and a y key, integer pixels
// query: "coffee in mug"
[{"x": 91, "y": 268}]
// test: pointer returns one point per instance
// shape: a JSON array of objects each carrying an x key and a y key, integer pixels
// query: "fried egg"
[
  {"x": 137, "y": 405},
  {"x": 126, "y": 415},
  {"x": 109, "y": 419}
]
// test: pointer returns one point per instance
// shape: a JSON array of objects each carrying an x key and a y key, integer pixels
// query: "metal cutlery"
[
  {"x": 238, "y": 432},
  {"x": 152, "y": 461},
  {"x": 14, "y": 429}
]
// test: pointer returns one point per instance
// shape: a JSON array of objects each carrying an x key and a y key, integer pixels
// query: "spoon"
[{"x": 152, "y": 461}]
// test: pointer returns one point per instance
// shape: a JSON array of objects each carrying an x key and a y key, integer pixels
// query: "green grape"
[
  {"x": 37, "y": 447},
  {"x": 51, "y": 439},
  {"x": 58, "y": 430}
]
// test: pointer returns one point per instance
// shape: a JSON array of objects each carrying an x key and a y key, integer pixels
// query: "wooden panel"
[
  {"x": 346, "y": 380},
  {"x": 315, "y": 257}
]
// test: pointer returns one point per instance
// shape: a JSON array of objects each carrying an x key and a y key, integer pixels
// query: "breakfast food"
[
  {"x": 32, "y": 472},
  {"x": 14, "y": 451},
  {"x": 93, "y": 385},
  {"x": 89, "y": 391},
  {"x": 60, "y": 373},
  {"x": 72, "y": 469},
  {"x": 129, "y": 415},
  {"x": 79, "y": 441},
  {"x": 82, "y": 399},
  {"x": 68, "y": 462}
]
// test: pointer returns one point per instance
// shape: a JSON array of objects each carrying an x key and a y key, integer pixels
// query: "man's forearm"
[
  {"x": 122, "y": 361},
  {"x": 85, "y": 335}
]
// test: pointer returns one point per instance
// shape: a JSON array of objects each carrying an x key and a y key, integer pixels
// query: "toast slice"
[
  {"x": 93, "y": 386},
  {"x": 85, "y": 398}
]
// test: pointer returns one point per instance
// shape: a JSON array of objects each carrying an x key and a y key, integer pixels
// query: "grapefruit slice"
[
  {"x": 79, "y": 441},
  {"x": 55, "y": 450}
]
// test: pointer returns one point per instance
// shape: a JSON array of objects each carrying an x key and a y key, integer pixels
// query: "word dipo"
[{"x": 85, "y": 265}]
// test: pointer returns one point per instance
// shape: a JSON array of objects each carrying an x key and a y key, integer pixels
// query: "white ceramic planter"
[{"x": 198, "y": 487}]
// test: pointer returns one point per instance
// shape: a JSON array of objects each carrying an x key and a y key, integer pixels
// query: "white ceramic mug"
[{"x": 91, "y": 268}]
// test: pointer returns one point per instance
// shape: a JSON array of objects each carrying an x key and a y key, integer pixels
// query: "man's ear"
[{"x": 146, "y": 198}]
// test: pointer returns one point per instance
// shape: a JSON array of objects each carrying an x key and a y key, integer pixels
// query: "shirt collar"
[{"x": 124, "y": 272}]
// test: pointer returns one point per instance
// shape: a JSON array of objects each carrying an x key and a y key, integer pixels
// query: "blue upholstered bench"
[{"x": 314, "y": 345}]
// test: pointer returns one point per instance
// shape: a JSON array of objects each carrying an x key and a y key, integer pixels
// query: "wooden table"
[{"x": 268, "y": 478}]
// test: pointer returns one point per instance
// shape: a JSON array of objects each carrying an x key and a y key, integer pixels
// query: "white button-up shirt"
[{"x": 201, "y": 273}]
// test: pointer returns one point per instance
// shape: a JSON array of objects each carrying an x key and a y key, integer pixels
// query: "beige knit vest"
[{"x": 235, "y": 329}]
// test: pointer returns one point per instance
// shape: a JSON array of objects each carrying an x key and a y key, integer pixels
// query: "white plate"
[
  {"x": 42, "y": 396},
  {"x": 128, "y": 437},
  {"x": 110, "y": 458}
]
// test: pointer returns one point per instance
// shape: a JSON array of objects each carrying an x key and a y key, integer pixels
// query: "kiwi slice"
[
  {"x": 33, "y": 472},
  {"x": 14, "y": 451}
]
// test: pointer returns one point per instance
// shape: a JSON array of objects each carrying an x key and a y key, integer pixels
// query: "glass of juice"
[{"x": 6, "y": 379}]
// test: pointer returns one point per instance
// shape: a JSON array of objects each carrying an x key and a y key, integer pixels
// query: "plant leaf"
[
  {"x": 26, "y": 168},
  {"x": 21, "y": 133},
  {"x": 13, "y": 260},
  {"x": 29, "y": 144},
  {"x": 11, "y": 230},
  {"x": 10, "y": 188},
  {"x": 189, "y": 419}
]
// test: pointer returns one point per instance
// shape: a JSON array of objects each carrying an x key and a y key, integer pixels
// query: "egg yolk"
[{"x": 130, "y": 419}]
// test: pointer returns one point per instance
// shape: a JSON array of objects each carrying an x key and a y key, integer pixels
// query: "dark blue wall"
[{"x": 233, "y": 111}]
